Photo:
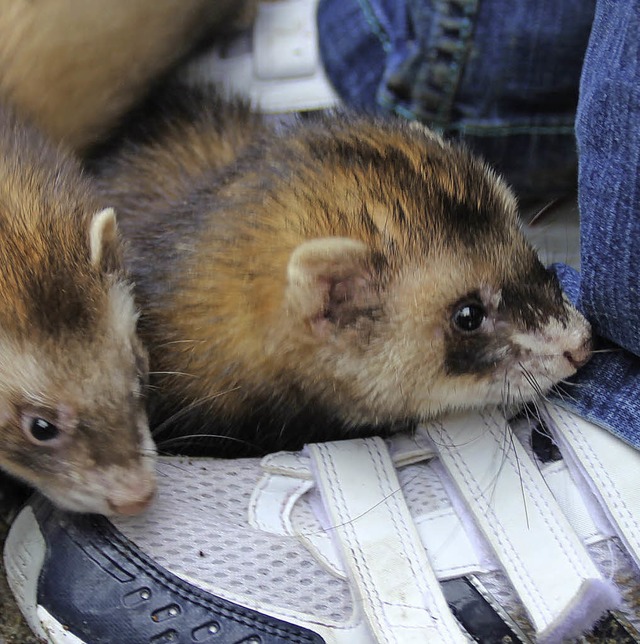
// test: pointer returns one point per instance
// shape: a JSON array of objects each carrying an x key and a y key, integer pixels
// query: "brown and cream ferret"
[
  {"x": 72, "y": 370},
  {"x": 337, "y": 276}
]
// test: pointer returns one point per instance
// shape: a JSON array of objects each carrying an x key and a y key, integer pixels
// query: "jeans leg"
[
  {"x": 501, "y": 74},
  {"x": 607, "y": 389},
  {"x": 608, "y": 133}
]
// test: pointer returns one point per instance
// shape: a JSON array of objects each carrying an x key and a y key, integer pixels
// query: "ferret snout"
[
  {"x": 130, "y": 508},
  {"x": 579, "y": 344},
  {"x": 579, "y": 356},
  {"x": 132, "y": 495}
]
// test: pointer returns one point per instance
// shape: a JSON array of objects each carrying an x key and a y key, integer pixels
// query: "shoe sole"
[{"x": 24, "y": 554}]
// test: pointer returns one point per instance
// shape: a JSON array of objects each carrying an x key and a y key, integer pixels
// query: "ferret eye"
[
  {"x": 47, "y": 427},
  {"x": 469, "y": 317},
  {"x": 42, "y": 430}
]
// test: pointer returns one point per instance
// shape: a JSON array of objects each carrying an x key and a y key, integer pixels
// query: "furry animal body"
[
  {"x": 72, "y": 369},
  {"x": 339, "y": 276}
]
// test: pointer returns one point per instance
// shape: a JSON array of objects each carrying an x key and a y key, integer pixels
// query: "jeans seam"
[
  {"x": 458, "y": 51},
  {"x": 375, "y": 25},
  {"x": 442, "y": 66}
]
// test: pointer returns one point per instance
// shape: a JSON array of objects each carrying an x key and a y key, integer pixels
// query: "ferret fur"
[
  {"x": 302, "y": 284},
  {"x": 72, "y": 369},
  {"x": 75, "y": 66}
]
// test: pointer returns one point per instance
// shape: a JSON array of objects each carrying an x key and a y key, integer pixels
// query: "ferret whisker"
[
  {"x": 417, "y": 439},
  {"x": 515, "y": 393},
  {"x": 570, "y": 383},
  {"x": 439, "y": 443},
  {"x": 159, "y": 469},
  {"x": 559, "y": 390},
  {"x": 537, "y": 417},
  {"x": 542, "y": 429},
  {"x": 564, "y": 395},
  {"x": 541, "y": 391},
  {"x": 189, "y": 408},
  {"x": 504, "y": 449},
  {"x": 508, "y": 399},
  {"x": 172, "y": 373},
  {"x": 537, "y": 217},
  {"x": 534, "y": 423},
  {"x": 542, "y": 394},
  {"x": 535, "y": 385},
  {"x": 353, "y": 519},
  {"x": 526, "y": 410},
  {"x": 512, "y": 440},
  {"x": 171, "y": 342},
  {"x": 533, "y": 411},
  {"x": 186, "y": 437},
  {"x": 505, "y": 390}
]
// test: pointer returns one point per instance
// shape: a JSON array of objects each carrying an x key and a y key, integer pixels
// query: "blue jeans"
[
  {"x": 521, "y": 81},
  {"x": 502, "y": 74}
]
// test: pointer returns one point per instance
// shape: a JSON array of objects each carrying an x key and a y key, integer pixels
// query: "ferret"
[
  {"x": 73, "y": 422},
  {"x": 340, "y": 276},
  {"x": 74, "y": 67}
]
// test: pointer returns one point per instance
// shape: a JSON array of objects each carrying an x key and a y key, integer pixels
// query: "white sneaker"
[
  {"x": 276, "y": 65},
  {"x": 467, "y": 529}
]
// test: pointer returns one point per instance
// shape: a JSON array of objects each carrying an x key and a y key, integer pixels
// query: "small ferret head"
[
  {"x": 72, "y": 370},
  {"x": 428, "y": 298}
]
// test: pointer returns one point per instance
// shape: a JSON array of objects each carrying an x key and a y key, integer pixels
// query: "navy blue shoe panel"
[{"x": 103, "y": 589}]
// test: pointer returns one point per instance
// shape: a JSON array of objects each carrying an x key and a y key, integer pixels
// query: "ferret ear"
[
  {"x": 103, "y": 240},
  {"x": 332, "y": 284}
]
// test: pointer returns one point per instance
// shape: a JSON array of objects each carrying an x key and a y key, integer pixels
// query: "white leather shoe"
[{"x": 470, "y": 528}]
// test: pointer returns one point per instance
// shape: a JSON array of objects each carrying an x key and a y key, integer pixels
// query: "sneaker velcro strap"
[
  {"x": 609, "y": 466},
  {"x": 386, "y": 561},
  {"x": 542, "y": 556}
]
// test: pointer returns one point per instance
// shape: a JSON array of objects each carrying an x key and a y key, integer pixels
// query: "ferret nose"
[
  {"x": 579, "y": 357},
  {"x": 130, "y": 508}
]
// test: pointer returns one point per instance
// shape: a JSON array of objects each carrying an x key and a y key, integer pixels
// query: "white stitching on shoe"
[
  {"x": 536, "y": 587},
  {"x": 606, "y": 486},
  {"x": 353, "y": 520},
  {"x": 506, "y": 547}
]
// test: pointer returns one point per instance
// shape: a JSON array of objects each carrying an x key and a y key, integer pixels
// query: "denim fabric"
[
  {"x": 608, "y": 133},
  {"x": 503, "y": 74},
  {"x": 607, "y": 390}
]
